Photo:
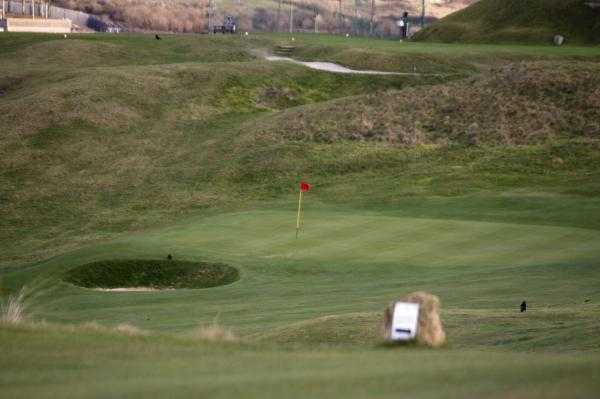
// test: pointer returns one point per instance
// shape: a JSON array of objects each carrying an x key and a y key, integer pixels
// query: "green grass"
[
  {"x": 518, "y": 21},
  {"x": 138, "y": 367},
  {"x": 480, "y": 186},
  {"x": 314, "y": 304},
  {"x": 355, "y": 252}
]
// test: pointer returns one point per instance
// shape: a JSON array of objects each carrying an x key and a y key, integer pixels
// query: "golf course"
[{"x": 148, "y": 209}]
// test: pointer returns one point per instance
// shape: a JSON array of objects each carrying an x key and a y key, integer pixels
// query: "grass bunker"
[{"x": 156, "y": 274}]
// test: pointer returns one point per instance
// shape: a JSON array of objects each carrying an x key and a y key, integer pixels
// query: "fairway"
[
  {"x": 343, "y": 263},
  {"x": 475, "y": 179},
  {"x": 325, "y": 291}
]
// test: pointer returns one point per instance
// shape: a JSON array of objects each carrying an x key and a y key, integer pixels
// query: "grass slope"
[
  {"x": 122, "y": 147},
  {"x": 345, "y": 262},
  {"x": 85, "y": 360},
  {"x": 518, "y": 21},
  {"x": 115, "y": 133}
]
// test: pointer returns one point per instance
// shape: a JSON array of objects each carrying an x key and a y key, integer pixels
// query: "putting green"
[
  {"x": 346, "y": 239},
  {"x": 343, "y": 263}
]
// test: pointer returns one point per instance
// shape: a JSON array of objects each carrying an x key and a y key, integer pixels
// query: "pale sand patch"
[
  {"x": 132, "y": 289},
  {"x": 337, "y": 68}
]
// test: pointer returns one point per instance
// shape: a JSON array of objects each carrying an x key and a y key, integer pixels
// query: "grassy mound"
[
  {"x": 97, "y": 132},
  {"x": 518, "y": 104},
  {"x": 208, "y": 150},
  {"x": 516, "y": 21},
  {"x": 152, "y": 274},
  {"x": 118, "y": 133}
]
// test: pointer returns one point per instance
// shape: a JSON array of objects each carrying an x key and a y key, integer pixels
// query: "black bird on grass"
[
  {"x": 523, "y": 306},
  {"x": 157, "y": 37},
  {"x": 169, "y": 257}
]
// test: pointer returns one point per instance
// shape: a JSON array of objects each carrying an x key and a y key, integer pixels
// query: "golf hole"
[{"x": 149, "y": 275}]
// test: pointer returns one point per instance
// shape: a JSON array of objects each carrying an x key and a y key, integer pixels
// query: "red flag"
[{"x": 304, "y": 187}]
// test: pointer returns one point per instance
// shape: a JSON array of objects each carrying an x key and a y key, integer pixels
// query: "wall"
[
  {"x": 79, "y": 18},
  {"x": 38, "y": 25}
]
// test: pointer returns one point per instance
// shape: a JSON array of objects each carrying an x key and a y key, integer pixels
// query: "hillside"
[
  {"x": 135, "y": 171},
  {"x": 264, "y": 15},
  {"x": 518, "y": 21},
  {"x": 122, "y": 132}
]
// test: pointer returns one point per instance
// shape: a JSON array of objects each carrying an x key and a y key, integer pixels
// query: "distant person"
[
  {"x": 403, "y": 23},
  {"x": 523, "y": 306},
  {"x": 157, "y": 37}
]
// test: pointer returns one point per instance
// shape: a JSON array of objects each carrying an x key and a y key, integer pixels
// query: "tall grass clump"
[
  {"x": 214, "y": 333},
  {"x": 13, "y": 310}
]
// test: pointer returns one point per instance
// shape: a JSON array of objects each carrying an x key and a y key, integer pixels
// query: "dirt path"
[
  {"x": 131, "y": 289},
  {"x": 337, "y": 68}
]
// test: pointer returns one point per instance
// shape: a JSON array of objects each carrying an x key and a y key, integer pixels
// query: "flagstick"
[{"x": 299, "y": 210}]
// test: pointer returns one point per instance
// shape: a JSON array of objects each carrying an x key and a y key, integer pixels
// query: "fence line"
[{"x": 77, "y": 17}]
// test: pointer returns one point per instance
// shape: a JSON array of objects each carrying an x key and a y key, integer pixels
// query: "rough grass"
[
  {"x": 122, "y": 329},
  {"x": 160, "y": 274},
  {"x": 50, "y": 362},
  {"x": 545, "y": 329},
  {"x": 118, "y": 142},
  {"x": 12, "y": 310},
  {"x": 72, "y": 148},
  {"x": 518, "y": 21},
  {"x": 148, "y": 132},
  {"x": 516, "y": 104},
  {"x": 214, "y": 333}
]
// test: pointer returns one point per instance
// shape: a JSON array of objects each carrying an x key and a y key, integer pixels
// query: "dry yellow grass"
[
  {"x": 516, "y": 104},
  {"x": 214, "y": 333},
  {"x": 13, "y": 311},
  {"x": 92, "y": 326},
  {"x": 129, "y": 329},
  {"x": 430, "y": 331}
]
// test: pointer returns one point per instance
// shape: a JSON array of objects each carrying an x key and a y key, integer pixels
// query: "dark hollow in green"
[{"x": 159, "y": 274}]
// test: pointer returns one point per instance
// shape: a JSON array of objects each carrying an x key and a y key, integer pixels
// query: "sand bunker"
[
  {"x": 132, "y": 289},
  {"x": 144, "y": 275}
]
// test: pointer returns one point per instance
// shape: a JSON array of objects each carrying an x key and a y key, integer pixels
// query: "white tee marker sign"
[{"x": 405, "y": 321}]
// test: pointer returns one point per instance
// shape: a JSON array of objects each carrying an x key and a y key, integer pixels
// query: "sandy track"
[
  {"x": 131, "y": 289},
  {"x": 337, "y": 68}
]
